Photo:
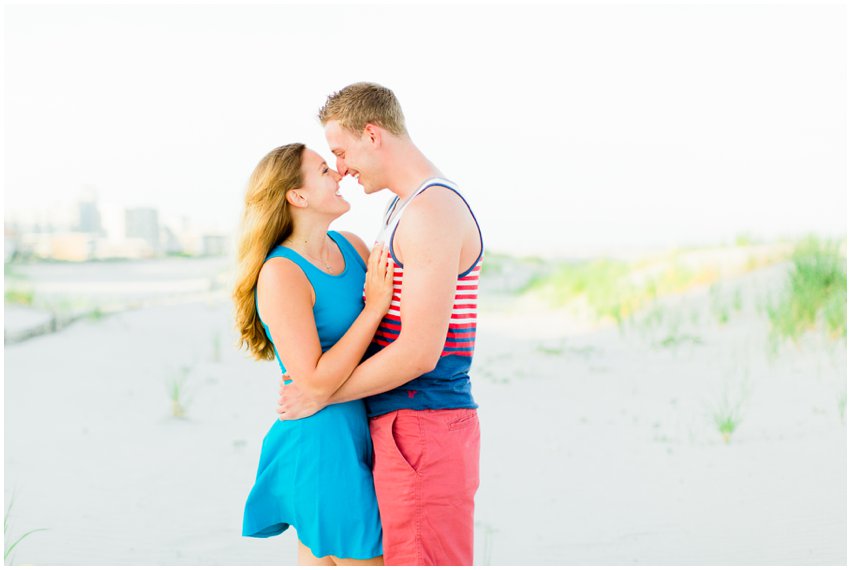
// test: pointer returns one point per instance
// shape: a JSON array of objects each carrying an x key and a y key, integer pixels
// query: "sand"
[{"x": 598, "y": 444}]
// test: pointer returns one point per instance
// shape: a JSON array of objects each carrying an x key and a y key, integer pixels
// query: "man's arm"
[{"x": 431, "y": 238}]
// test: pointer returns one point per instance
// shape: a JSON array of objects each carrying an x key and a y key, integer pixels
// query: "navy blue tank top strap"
[{"x": 449, "y": 186}]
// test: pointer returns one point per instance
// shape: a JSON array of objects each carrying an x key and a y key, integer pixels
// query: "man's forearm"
[{"x": 391, "y": 367}]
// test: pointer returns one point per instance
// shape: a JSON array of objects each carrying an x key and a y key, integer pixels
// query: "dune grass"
[
  {"x": 96, "y": 314},
  {"x": 727, "y": 417},
  {"x": 677, "y": 339},
  {"x": 610, "y": 287},
  {"x": 20, "y": 296},
  {"x": 719, "y": 307},
  {"x": 489, "y": 531},
  {"x": 616, "y": 289},
  {"x": 7, "y": 541},
  {"x": 728, "y": 410},
  {"x": 19, "y": 289},
  {"x": 176, "y": 385},
  {"x": 216, "y": 340},
  {"x": 815, "y": 294}
]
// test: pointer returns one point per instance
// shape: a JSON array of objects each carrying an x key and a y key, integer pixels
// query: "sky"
[{"x": 569, "y": 128}]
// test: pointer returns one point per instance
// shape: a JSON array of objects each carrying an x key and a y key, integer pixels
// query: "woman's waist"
[{"x": 346, "y": 414}]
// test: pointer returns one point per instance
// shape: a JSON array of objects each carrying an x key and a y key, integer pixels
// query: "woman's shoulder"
[
  {"x": 278, "y": 271},
  {"x": 281, "y": 280},
  {"x": 357, "y": 243}
]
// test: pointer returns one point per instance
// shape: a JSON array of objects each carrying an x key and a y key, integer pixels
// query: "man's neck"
[{"x": 410, "y": 169}]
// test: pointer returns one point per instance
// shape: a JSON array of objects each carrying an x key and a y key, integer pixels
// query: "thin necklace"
[{"x": 327, "y": 267}]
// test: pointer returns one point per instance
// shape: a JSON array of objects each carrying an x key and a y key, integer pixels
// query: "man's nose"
[
  {"x": 337, "y": 176},
  {"x": 342, "y": 169}
]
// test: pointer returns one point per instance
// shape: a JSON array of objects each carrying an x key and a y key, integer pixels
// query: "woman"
[{"x": 300, "y": 297}]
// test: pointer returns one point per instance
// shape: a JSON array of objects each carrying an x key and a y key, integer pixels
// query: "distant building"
[
  {"x": 113, "y": 219},
  {"x": 127, "y": 248},
  {"x": 72, "y": 246},
  {"x": 215, "y": 244},
  {"x": 171, "y": 241},
  {"x": 88, "y": 217},
  {"x": 143, "y": 223}
]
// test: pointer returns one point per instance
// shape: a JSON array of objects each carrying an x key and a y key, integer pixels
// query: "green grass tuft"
[
  {"x": 815, "y": 293},
  {"x": 7, "y": 552},
  {"x": 20, "y": 296},
  {"x": 176, "y": 388}
]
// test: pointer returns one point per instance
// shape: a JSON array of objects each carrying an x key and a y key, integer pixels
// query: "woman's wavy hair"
[{"x": 266, "y": 222}]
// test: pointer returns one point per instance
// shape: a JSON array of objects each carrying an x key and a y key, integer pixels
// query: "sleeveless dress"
[{"x": 315, "y": 474}]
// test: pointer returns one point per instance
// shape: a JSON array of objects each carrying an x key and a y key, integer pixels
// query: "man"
[{"x": 415, "y": 379}]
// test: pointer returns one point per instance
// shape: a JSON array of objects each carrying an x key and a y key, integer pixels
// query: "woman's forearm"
[
  {"x": 337, "y": 363},
  {"x": 389, "y": 368}
]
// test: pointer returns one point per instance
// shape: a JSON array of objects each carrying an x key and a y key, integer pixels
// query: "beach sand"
[{"x": 598, "y": 443}]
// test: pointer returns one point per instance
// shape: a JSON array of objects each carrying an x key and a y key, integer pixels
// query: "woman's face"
[{"x": 321, "y": 188}]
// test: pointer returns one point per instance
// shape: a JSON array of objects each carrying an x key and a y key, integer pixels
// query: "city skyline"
[
  {"x": 91, "y": 231},
  {"x": 567, "y": 127}
]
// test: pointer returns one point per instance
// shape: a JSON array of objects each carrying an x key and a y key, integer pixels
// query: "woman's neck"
[{"x": 312, "y": 241}]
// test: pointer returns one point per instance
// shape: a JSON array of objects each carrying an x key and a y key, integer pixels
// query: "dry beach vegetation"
[{"x": 678, "y": 407}]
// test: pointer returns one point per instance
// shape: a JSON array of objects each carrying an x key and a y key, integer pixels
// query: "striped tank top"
[{"x": 448, "y": 385}]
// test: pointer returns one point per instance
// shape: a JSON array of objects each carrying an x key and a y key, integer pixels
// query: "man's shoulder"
[
  {"x": 436, "y": 218},
  {"x": 438, "y": 201}
]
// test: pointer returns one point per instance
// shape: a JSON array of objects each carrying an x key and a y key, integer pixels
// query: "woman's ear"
[{"x": 296, "y": 199}]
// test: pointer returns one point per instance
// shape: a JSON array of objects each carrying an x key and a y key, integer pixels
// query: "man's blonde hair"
[{"x": 360, "y": 103}]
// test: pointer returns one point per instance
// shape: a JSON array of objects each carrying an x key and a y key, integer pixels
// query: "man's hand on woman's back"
[{"x": 293, "y": 403}]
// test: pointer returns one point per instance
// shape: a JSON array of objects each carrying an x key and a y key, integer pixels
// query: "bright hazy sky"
[{"x": 568, "y": 127}]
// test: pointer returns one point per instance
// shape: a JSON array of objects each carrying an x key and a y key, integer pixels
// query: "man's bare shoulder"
[
  {"x": 437, "y": 204},
  {"x": 434, "y": 221}
]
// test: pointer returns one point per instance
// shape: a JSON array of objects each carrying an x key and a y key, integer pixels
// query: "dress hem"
[{"x": 257, "y": 534}]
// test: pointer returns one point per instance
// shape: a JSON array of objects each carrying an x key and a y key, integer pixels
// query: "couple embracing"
[{"x": 374, "y": 458}]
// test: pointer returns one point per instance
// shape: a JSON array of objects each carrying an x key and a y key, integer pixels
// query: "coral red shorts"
[{"x": 426, "y": 474}]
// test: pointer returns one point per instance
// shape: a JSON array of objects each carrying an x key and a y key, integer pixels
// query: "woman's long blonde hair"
[{"x": 266, "y": 222}]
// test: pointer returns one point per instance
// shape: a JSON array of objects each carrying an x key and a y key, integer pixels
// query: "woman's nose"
[{"x": 337, "y": 176}]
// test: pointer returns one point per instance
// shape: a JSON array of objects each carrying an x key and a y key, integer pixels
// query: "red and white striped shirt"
[{"x": 448, "y": 385}]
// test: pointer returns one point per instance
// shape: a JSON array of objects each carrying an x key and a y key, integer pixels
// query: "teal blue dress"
[{"x": 315, "y": 474}]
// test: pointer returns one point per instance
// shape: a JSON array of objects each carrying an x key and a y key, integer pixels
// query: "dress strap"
[{"x": 347, "y": 249}]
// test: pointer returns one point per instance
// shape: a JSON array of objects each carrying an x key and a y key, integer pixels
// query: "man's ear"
[
  {"x": 296, "y": 199},
  {"x": 373, "y": 134}
]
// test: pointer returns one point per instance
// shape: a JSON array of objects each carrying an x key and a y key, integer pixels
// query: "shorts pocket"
[
  {"x": 407, "y": 437},
  {"x": 468, "y": 419}
]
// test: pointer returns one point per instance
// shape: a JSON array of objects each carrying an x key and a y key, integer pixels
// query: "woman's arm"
[{"x": 286, "y": 298}]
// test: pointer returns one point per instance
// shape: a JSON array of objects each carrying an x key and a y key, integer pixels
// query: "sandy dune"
[{"x": 598, "y": 445}]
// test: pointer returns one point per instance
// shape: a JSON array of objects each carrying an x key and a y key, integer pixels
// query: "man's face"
[{"x": 354, "y": 155}]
